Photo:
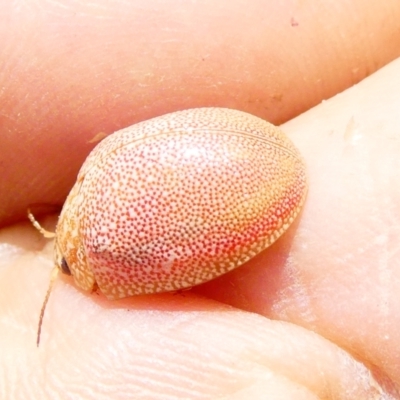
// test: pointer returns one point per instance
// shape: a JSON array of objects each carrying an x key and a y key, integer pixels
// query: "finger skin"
[
  {"x": 57, "y": 94},
  {"x": 308, "y": 278},
  {"x": 339, "y": 275},
  {"x": 168, "y": 346},
  {"x": 71, "y": 70}
]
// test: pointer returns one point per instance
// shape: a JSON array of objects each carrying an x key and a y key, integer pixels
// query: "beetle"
[{"x": 178, "y": 200}]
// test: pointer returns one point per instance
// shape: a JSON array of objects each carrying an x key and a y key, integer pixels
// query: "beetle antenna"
[
  {"x": 53, "y": 278},
  {"x": 47, "y": 234}
]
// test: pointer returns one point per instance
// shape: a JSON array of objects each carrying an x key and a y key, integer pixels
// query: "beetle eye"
[{"x": 64, "y": 267}]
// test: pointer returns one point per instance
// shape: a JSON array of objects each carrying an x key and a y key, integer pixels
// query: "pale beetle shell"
[{"x": 178, "y": 200}]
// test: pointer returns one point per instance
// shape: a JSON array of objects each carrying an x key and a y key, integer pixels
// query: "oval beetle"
[{"x": 178, "y": 200}]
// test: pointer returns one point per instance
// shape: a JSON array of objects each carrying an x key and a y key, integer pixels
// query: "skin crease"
[{"x": 336, "y": 273}]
